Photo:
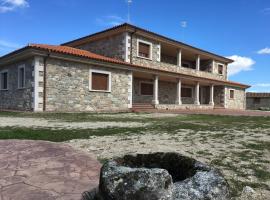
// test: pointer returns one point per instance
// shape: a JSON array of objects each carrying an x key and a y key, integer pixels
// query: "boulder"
[{"x": 160, "y": 176}]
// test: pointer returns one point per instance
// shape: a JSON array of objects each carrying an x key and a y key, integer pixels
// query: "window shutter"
[
  {"x": 186, "y": 92},
  {"x": 144, "y": 49},
  {"x": 100, "y": 81},
  {"x": 147, "y": 89}
]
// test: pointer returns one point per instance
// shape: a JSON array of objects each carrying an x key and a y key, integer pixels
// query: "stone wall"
[
  {"x": 14, "y": 98},
  {"x": 264, "y": 103},
  {"x": 113, "y": 46},
  {"x": 68, "y": 88},
  {"x": 156, "y": 64},
  {"x": 239, "y": 101},
  {"x": 187, "y": 107}
]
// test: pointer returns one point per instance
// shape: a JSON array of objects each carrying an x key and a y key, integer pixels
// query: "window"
[
  {"x": 144, "y": 49},
  {"x": 21, "y": 76},
  {"x": 4, "y": 80},
  {"x": 100, "y": 81},
  {"x": 146, "y": 88},
  {"x": 257, "y": 100},
  {"x": 220, "y": 69},
  {"x": 231, "y": 94},
  {"x": 186, "y": 92}
]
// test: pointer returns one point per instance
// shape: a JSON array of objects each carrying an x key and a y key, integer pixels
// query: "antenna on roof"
[
  {"x": 129, "y": 4},
  {"x": 183, "y": 25}
]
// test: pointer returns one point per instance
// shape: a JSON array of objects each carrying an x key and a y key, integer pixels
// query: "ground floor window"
[
  {"x": 257, "y": 100},
  {"x": 186, "y": 92},
  {"x": 21, "y": 76},
  {"x": 231, "y": 94},
  {"x": 4, "y": 80},
  {"x": 146, "y": 88},
  {"x": 100, "y": 81}
]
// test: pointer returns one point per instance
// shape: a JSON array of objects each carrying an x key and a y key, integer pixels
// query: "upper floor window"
[
  {"x": 4, "y": 80},
  {"x": 100, "y": 81},
  {"x": 231, "y": 94},
  {"x": 144, "y": 49},
  {"x": 21, "y": 76},
  {"x": 220, "y": 69}
]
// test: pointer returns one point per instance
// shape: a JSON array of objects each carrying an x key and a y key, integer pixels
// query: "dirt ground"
[{"x": 238, "y": 146}]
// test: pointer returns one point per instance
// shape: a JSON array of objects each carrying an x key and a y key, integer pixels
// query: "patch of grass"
[
  {"x": 204, "y": 153},
  {"x": 257, "y": 145},
  {"x": 61, "y": 135},
  {"x": 236, "y": 186}
]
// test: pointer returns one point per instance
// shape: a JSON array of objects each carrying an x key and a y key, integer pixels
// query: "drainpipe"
[
  {"x": 131, "y": 46},
  {"x": 45, "y": 81}
]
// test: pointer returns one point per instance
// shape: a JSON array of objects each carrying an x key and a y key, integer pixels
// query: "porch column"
[
  {"x": 211, "y": 102},
  {"x": 178, "y": 92},
  {"x": 212, "y": 67},
  {"x": 179, "y": 58},
  {"x": 155, "y": 92},
  {"x": 198, "y": 62},
  {"x": 197, "y": 94}
]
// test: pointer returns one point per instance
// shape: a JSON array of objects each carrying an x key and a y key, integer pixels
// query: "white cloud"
[
  {"x": 240, "y": 64},
  {"x": 111, "y": 20},
  {"x": 10, "y": 5},
  {"x": 264, "y": 51},
  {"x": 266, "y": 11},
  {"x": 263, "y": 85}
]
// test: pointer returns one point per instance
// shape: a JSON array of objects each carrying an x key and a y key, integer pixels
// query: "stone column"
[
  {"x": 198, "y": 60},
  {"x": 178, "y": 92},
  {"x": 155, "y": 92},
  {"x": 197, "y": 94},
  {"x": 212, "y": 67},
  {"x": 179, "y": 58},
  {"x": 211, "y": 102}
]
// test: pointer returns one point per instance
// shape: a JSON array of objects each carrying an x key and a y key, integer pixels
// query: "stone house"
[
  {"x": 255, "y": 101},
  {"x": 115, "y": 70}
]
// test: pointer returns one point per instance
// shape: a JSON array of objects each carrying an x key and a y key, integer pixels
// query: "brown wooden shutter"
[
  {"x": 144, "y": 50},
  {"x": 100, "y": 81},
  {"x": 146, "y": 88},
  {"x": 186, "y": 92},
  {"x": 220, "y": 69}
]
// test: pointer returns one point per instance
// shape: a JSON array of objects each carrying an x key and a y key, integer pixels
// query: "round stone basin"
[{"x": 159, "y": 176}]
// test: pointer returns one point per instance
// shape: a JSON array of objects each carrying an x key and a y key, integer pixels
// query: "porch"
[{"x": 171, "y": 93}]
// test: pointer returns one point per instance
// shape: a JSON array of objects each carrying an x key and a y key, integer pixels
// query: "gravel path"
[{"x": 56, "y": 124}]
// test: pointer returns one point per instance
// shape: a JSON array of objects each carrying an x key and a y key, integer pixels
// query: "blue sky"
[{"x": 239, "y": 29}]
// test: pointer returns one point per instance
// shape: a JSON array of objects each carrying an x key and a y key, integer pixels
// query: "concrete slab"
[{"x": 31, "y": 170}]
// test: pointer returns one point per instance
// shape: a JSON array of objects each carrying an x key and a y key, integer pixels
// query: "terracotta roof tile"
[{"x": 75, "y": 52}]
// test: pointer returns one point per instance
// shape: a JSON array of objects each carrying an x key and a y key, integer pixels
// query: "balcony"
[{"x": 187, "y": 62}]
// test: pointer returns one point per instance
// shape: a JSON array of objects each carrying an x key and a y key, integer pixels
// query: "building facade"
[
  {"x": 256, "y": 101},
  {"x": 114, "y": 69}
]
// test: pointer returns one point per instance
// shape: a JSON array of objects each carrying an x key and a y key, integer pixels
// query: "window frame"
[
  {"x": 150, "y": 50},
  {"x": 2, "y": 72},
  {"x": 100, "y": 72},
  {"x": 223, "y": 66},
  {"x": 21, "y": 67},
  {"x": 192, "y": 91},
  {"x": 140, "y": 88},
  {"x": 232, "y": 90}
]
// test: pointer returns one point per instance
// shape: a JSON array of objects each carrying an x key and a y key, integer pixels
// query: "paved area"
[
  {"x": 37, "y": 170},
  {"x": 225, "y": 112}
]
